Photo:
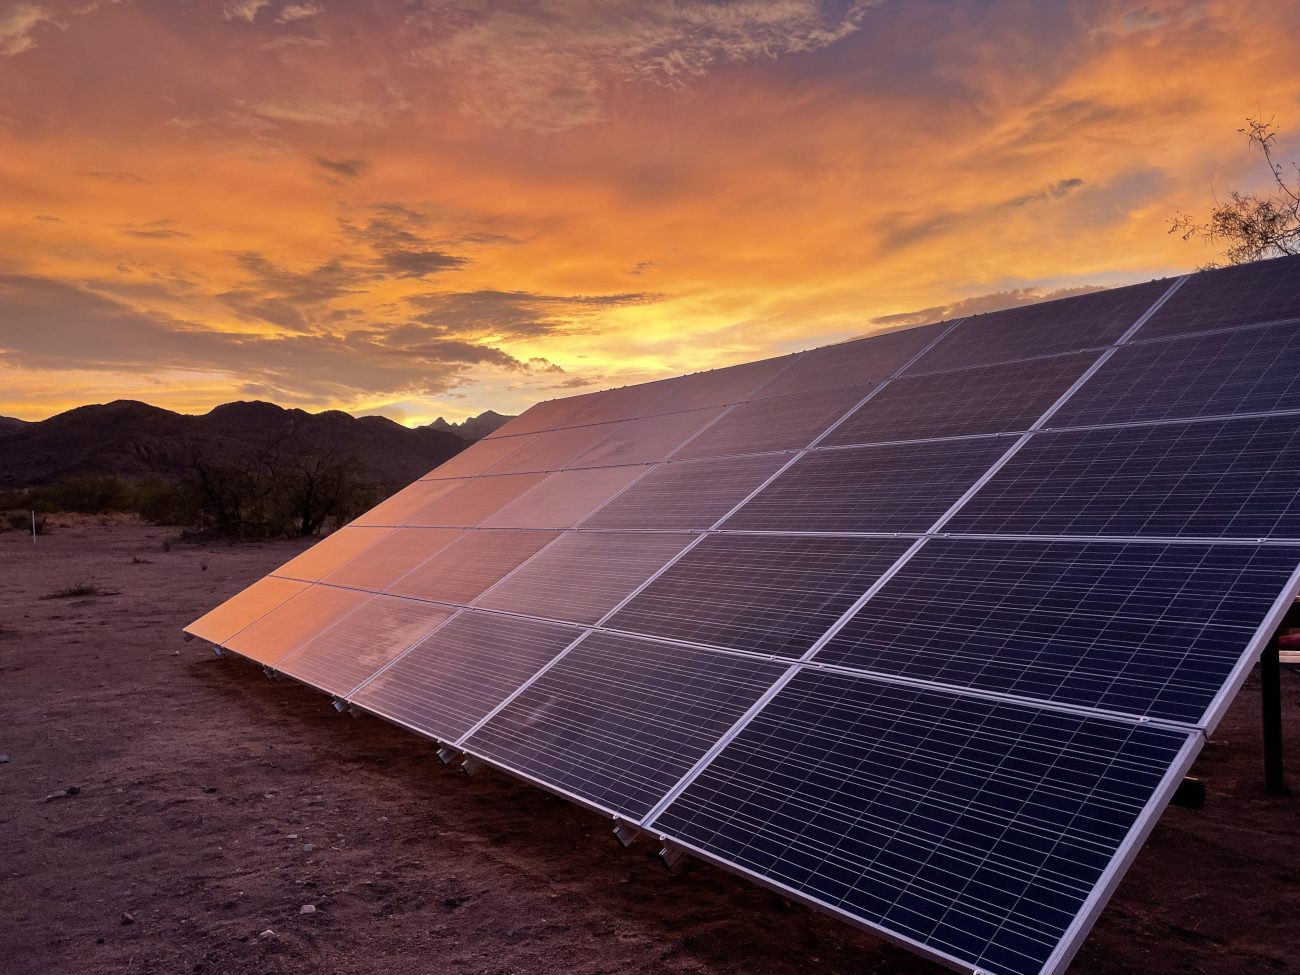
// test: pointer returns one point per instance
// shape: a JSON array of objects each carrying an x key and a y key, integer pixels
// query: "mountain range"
[{"x": 135, "y": 440}]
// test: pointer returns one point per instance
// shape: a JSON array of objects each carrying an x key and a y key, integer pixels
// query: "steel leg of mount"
[{"x": 1270, "y": 692}]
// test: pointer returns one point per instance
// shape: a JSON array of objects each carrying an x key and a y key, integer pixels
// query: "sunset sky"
[{"x": 421, "y": 208}]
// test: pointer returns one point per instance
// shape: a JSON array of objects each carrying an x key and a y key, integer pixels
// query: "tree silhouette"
[{"x": 1252, "y": 226}]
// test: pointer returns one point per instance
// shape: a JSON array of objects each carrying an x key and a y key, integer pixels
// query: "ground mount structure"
[{"x": 922, "y": 629}]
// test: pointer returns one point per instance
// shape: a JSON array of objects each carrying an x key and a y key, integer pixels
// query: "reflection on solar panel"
[
  {"x": 984, "y": 399},
  {"x": 923, "y": 629},
  {"x": 771, "y": 594}
]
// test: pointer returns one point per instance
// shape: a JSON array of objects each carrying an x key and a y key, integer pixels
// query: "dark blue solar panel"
[
  {"x": 778, "y": 423},
  {"x": 619, "y": 719},
  {"x": 985, "y": 399},
  {"x": 763, "y": 593},
  {"x": 895, "y": 488},
  {"x": 974, "y": 828},
  {"x": 1152, "y": 630},
  {"x": 1264, "y": 291},
  {"x": 1212, "y": 479},
  {"x": 1252, "y": 370},
  {"x": 1048, "y": 328}
]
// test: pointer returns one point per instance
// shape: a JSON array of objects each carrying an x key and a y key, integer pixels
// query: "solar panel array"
[{"x": 922, "y": 629}]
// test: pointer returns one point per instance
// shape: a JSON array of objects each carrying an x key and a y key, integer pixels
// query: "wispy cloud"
[
  {"x": 18, "y": 26},
  {"x": 345, "y": 168},
  {"x": 297, "y": 11},
  {"x": 550, "y": 67},
  {"x": 245, "y": 10}
]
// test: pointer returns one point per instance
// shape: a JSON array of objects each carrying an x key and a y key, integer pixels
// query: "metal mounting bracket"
[
  {"x": 470, "y": 765},
  {"x": 625, "y": 832},
  {"x": 671, "y": 855}
]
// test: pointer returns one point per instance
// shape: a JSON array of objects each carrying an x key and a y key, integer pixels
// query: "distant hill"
[
  {"x": 11, "y": 423},
  {"x": 474, "y": 428},
  {"x": 134, "y": 439}
]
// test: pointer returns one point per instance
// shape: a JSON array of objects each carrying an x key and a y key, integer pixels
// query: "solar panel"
[
  {"x": 983, "y": 399},
  {"x": 243, "y": 608},
  {"x": 687, "y": 494},
  {"x": 648, "y": 439},
  {"x": 453, "y": 678},
  {"x": 1211, "y": 479},
  {"x": 1265, "y": 291},
  {"x": 1146, "y": 629},
  {"x": 390, "y": 558},
  {"x": 1255, "y": 370},
  {"x": 565, "y": 498},
  {"x": 759, "y": 593},
  {"x": 339, "y": 658},
  {"x": 473, "y": 500},
  {"x": 583, "y": 575},
  {"x": 270, "y": 637},
  {"x": 776, "y": 423},
  {"x": 923, "y": 629},
  {"x": 1068, "y": 324},
  {"x": 617, "y": 720},
  {"x": 330, "y": 553},
  {"x": 461, "y": 572},
  {"x": 853, "y": 363},
  {"x": 972, "y": 830},
  {"x": 896, "y": 488}
]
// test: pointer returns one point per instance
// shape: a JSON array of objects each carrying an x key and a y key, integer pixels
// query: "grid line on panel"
[
  {"x": 902, "y": 560},
  {"x": 1241, "y": 295}
]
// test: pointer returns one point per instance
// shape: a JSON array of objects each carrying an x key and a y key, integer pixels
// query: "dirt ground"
[{"x": 214, "y": 804}]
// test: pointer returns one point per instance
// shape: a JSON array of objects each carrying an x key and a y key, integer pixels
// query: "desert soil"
[{"x": 214, "y": 804}]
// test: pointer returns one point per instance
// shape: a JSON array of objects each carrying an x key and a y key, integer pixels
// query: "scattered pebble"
[
  {"x": 268, "y": 933},
  {"x": 128, "y": 917},
  {"x": 292, "y": 836},
  {"x": 3, "y": 759},
  {"x": 70, "y": 791},
  {"x": 308, "y": 847},
  {"x": 307, "y": 909}
]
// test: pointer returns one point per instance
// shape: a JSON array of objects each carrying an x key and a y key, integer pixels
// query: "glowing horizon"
[{"x": 441, "y": 208}]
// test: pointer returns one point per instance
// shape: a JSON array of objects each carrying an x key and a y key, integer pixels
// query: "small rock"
[
  {"x": 72, "y": 790},
  {"x": 292, "y": 836},
  {"x": 308, "y": 847},
  {"x": 268, "y": 933},
  {"x": 307, "y": 909},
  {"x": 210, "y": 789},
  {"x": 128, "y": 917},
  {"x": 176, "y": 653},
  {"x": 3, "y": 759}
]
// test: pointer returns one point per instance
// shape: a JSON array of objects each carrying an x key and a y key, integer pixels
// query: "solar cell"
[
  {"x": 339, "y": 658},
  {"x": 717, "y": 387},
  {"x": 583, "y": 575},
  {"x": 390, "y": 558},
  {"x": 894, "y": 488},
  {"x": 220, "y": 624},
  {"x": 460, "y": 572},
  {"x": 646, "y": 440},
  {"x": 966, "y": 402},
  {"x": 398, "y": 509},
  {"x": 618, "y": 719},
  {"x": 270, "y": 637},
  {"x": 623, "y": 403},
  {"x": 546, "y": 415},
  {"x": 853, "y": 363},
  {"x": 1210, "y": 479},
  {"x": 479, "y": 457},
  {"x": 771, "y": 594},
  {"x": 1147, "y": 629},
  {"x": 565, "y": 498},
  {"x": 1263, "y": 291},
  {"x": 975, "y": 830},
  {"x": 1066, "y": 325},
  {"x": 776, "y": 423},
  {"x": 452, "y": 679},
  {"x": 329, "y": 553},
  {"x": 687, "y": 494},
  {"x": 1249, "y": 370},
  {"x": 472, "y": 501}
]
